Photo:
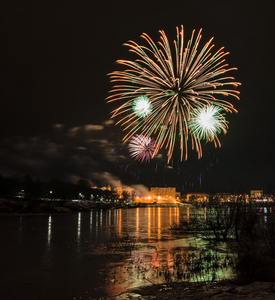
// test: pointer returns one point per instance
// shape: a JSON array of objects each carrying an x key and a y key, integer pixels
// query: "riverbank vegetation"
[{"x": 246, "y": 228}]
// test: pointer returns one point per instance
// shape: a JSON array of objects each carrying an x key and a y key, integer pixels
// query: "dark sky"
[{"x": 54, "y": 118}]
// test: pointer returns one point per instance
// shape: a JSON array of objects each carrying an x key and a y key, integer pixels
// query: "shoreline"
[
  {"x": 20, "y": 206},
  {"x": 225, "y": 289},
  {"x": 17, "y": 206}
]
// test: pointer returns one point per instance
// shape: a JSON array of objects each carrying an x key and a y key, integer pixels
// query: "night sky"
[{"x": 54, "y": 118}]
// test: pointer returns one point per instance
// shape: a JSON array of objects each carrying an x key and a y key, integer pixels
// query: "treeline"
[{"x": 29, "y": 188}]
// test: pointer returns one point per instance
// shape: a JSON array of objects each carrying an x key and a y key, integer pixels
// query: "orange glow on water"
[
  {"x": 119, "y": 222},
  {"x": 177, "y": 215},
  {"x": 137, "y": 220},
  {"x": 159, "y": 224},
  {"x": 149, "y": 222}
]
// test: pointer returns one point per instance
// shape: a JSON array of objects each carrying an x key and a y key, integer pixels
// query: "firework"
[
  {"x": 142, "y": 106},
  {"x": 176, "y": 83},
  {"x": 206, "y": 123},
  {"x": 141, "y": 148}
]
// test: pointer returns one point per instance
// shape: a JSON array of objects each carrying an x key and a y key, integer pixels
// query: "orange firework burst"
[{"x": 177, "y": 83}]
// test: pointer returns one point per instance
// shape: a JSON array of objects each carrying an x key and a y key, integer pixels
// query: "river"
[{"x": 64, "y": 256}]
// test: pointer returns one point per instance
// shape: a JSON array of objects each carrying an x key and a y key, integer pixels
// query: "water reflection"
[
  {"x": 159, "y": 224},
  {"x": 110, "y": 217},
  {"x": 65, "y": 243},
  {"x": 96, "y": 225},
  {"x": 177, "y": 215},
  {"x": 154, "y": 219},
  {"x": 107, "y": 218},
  {"x": 119, "y": 222},
  {"x": 149, "y": 223},
  {"x": 151, "y": 265},
  {"x": 265, "y": 215},
  {"x": 91, "y": 220},
  {"x": 137, "y": 219},
  {"x": 20, "y": 229},
  {"x": 79, "y": 226},
  {"x": 100, "y": 217},
  {"x": 61, "y": 244},
  {"x": 49, "y": 229}
]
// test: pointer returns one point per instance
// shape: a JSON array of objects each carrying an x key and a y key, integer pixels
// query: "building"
[
  {"x": 163, "y": 194},
  {"x": 197, "y": 197},
  {"x": 229, "y": 197},
  {"x": 256, "y": 194}
]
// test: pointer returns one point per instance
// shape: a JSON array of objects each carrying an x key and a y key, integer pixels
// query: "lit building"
[
  {"x": 228, "y": 197},
  {"x": 163, "y": 194},
  {"x": 197, "y": 197},
  {"x": 256, "y": 194},
  {"x": 159, "y": 195},
  {"x": 178, "y": 195}
]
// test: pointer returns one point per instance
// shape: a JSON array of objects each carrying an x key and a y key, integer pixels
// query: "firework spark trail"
[
  {"x": 176, "y": 83},
  {"x": 141, "y": 148}
]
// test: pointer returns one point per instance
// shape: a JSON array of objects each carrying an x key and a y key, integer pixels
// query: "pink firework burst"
[{"x": 142, "y": 148}]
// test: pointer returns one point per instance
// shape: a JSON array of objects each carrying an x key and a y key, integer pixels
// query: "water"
[{"x": 62, "y": 256}]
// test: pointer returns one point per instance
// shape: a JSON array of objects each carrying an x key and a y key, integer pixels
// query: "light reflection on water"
[
  {"x": 78, "y": 228},
  {"x": 137, "y": 219},
  {"x": 149, "y": 223},
  {"x": 67, "y": 248},
  {"x": 91, "y": 221},
  {"x": 49, "y": 229},
  {"x": 159, "y": 224}
]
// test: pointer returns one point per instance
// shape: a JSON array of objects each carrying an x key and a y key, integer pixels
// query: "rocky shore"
[{"x": 191, "y": 291}]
